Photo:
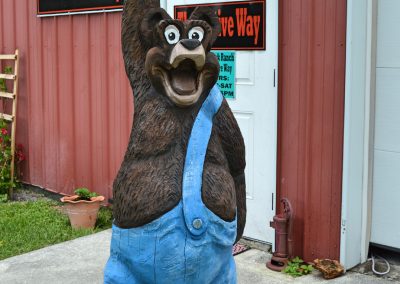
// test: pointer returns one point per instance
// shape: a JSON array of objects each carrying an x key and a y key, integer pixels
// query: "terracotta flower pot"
[{"x": 82, "y": 213}]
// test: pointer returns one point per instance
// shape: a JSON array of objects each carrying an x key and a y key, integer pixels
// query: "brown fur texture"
[{"x": 149, "y": 182}]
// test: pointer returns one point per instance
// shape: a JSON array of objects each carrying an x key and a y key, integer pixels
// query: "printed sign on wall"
[
  {"x": 67, "y": 6},
  {"x": 227, "y": 71},
  {"x": 242, "y": 23}
]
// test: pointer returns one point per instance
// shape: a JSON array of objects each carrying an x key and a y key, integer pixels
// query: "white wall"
[
  {"x": 163, "y": 4},
  {"x": 386, "y": 181}
]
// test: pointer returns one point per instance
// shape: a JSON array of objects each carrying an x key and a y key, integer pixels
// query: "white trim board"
[{"x": 358, "y": 131}]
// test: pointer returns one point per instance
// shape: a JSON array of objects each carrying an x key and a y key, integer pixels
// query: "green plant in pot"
[{"x": 82, "y": 208}]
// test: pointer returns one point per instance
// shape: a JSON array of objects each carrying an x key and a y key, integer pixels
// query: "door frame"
[{"x": 359, "y": 126}]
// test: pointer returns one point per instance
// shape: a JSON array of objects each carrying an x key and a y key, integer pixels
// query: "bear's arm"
[
  {"x": 135, "y": 44},
  {"x": 233, "y": 146}
]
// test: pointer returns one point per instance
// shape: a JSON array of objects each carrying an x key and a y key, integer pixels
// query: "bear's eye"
[
  {"x": 172, "y": 34},
  {"x": 196, "y": 33}
]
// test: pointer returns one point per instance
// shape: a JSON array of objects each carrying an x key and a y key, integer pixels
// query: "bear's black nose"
[{"x": 190, "y": 43}]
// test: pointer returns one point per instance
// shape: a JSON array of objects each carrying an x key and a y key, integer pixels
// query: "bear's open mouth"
[
  {"x": 184, "y": 78},
  {"x": 183, "y": 85}
]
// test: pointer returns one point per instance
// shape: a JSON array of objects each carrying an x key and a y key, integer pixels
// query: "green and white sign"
[{"x": 226, "y": 79}]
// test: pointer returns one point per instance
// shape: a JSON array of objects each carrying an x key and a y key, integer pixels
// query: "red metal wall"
[
  {"x": 75, "y": 103},
  {"x": 311, "y": 114}
]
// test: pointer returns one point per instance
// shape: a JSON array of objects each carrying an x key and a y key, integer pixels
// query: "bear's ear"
[
  {"x": 208, "y": 15},
  {"x": 150, "y": 20}
]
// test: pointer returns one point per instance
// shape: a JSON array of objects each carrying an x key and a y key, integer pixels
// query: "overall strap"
[{"x": 193, "y": 208}]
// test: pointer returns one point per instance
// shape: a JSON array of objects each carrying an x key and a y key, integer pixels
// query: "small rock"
[{"x": 329, "y": 268}]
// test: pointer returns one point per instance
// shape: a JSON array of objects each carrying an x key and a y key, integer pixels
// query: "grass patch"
[{"x": 27, "y": 226}]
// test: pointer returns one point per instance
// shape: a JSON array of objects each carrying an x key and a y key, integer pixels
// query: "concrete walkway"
[{"x": 82, "y": 261}]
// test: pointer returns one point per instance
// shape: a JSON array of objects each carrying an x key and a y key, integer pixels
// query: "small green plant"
[
  {"x": 297, "y": 267},
  {"x": 3, "y": 85},
  {"x": 5, "y": 159},
  {"x": 3, "y": 198},
  {"x": 5, "y": 146},
  {"x": 6, "y": 182},
  {"x": 84, "y": 193}
]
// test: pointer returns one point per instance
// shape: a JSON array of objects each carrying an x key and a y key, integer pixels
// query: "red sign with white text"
[{"x": 242, "y": 23}]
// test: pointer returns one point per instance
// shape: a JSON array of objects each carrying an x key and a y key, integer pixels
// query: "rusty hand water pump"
[{"x": 282, "y": 224}]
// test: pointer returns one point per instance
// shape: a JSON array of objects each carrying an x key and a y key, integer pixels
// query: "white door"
[
  {"x": 255, "y": 108},
  {"x": 386, "y": 178}
]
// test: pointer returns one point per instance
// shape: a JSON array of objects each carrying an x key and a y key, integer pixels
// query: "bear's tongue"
[{"x": 184, "y": 78}]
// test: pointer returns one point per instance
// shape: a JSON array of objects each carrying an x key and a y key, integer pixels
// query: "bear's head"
[{"x": 179, "y": 63}]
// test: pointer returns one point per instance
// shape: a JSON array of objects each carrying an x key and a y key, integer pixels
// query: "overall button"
[{"x": 197, "y": 223}]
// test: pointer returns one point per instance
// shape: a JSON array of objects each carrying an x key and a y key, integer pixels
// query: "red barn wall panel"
[
  {"x": 75, "y": 104},
  {"x": 311, "y": 112}
]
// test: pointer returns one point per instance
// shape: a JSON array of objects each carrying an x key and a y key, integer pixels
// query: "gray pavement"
[{"x": 82, "y": 261}]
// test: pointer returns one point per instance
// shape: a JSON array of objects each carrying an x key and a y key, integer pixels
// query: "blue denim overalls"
[{"x": 189, "y": 244}]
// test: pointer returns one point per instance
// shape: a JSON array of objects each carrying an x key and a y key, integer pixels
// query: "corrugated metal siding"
[
  {"x": 75, "y": 102},
  {"x": 311, "y": 106}
]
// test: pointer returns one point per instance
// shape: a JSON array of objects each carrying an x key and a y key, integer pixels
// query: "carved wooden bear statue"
[{"x": 179, "y": 197}]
